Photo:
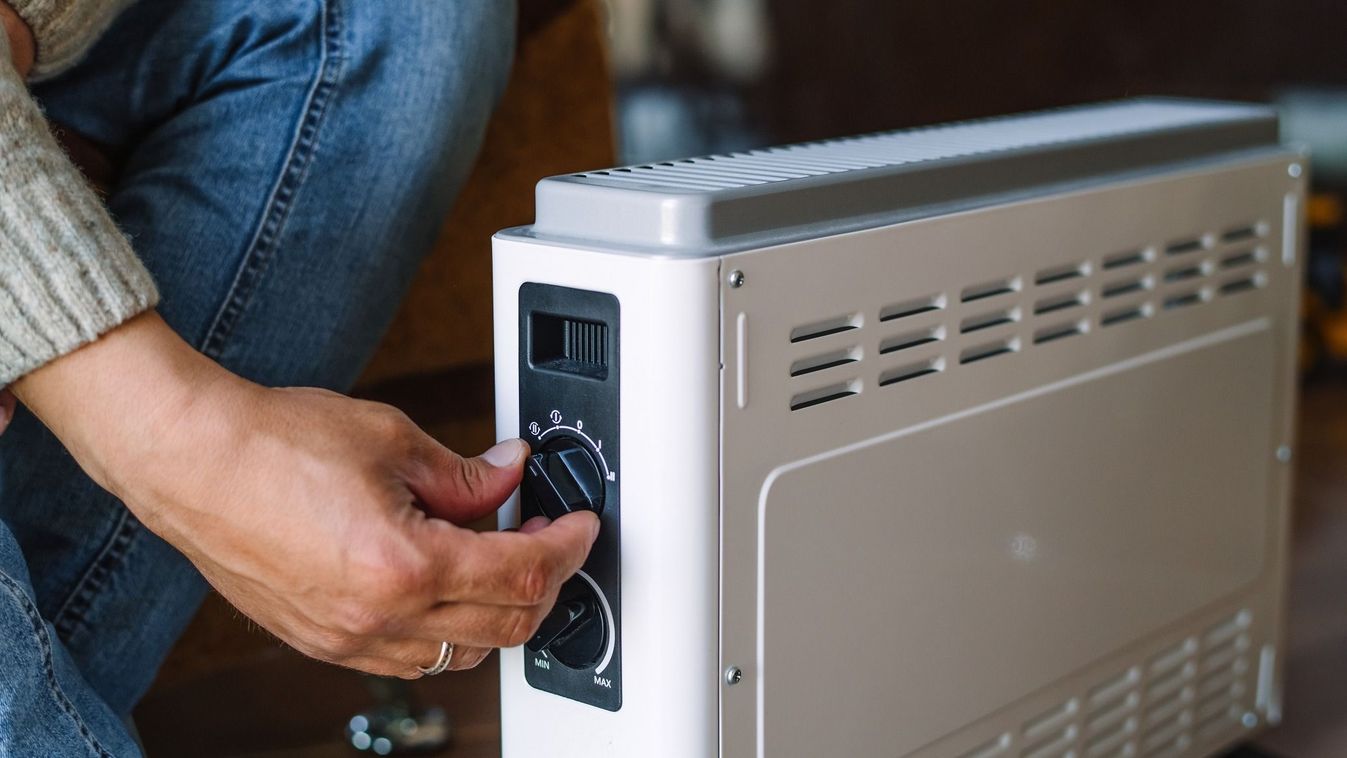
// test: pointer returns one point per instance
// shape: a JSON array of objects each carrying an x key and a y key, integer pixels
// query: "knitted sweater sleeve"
[
  {"x": 65, "y": 29},
  {"x": 67, "y": 274}
]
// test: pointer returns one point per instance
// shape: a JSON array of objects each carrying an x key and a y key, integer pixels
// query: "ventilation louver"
[
  {"x": 924, "y": 335},
  {"x": 1195, "y": 690}
]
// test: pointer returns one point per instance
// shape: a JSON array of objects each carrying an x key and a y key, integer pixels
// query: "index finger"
[{"x": 517, "y": 568}]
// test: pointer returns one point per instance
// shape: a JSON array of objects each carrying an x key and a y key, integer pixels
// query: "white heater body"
[{"x": 967, "y": 441}]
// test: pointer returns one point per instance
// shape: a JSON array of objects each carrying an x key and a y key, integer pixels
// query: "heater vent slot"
[
  {"x": 910, "y": 308},
  {"x": 1113, "y": 741},
  {"x": 911, "y": 371},
  {"x": 825, "y": 361},
  {"x": 1125, "y": 287},
  {"x": 1129, "y": 258},
  {"x": 1243, "y": 258},
  {"x": 1057, "y": 746},
  {"x": 1061, "y": 273},
  {"x": 1185, "y": 246},
  {"x": 1228, "y": 630},
  {"x": 1242, "y": 233},
  {"x": 1053, "y": 721},
  {"x": 989, "y": 290},
  {"x": 824, "y": 395},
  {"x": 988, "y": 351},
  {"x": 1059, "y": 303},
  {"x": 1104, "y": 696},
  {"x": 1236, "y": 286},
  {"x": 1124, "y": 315},
  {"x": 1114, "y": 713},
  {"x": 1058, "y": 332},
  {"x": 1173, "y": 658},
  {"x": 989, "y": 320},
  {"x": 825, "y": 328},
  {"x": 1183, "y": 300},
  {"x": 911, "y": 340},
  {"x": 1184, "y": 273}
]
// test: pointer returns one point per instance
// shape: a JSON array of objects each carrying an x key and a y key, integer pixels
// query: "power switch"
[{"x": 564, "y": 478}]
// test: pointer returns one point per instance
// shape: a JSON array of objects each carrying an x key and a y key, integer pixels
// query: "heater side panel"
[{"x": 1006, "y": 482}]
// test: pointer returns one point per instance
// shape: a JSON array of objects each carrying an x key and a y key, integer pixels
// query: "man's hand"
[
  {"x": 22, "y": 46},
  {"x": 332, "y": 522}
]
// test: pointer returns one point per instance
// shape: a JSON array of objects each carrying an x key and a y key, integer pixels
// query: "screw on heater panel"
[
  {"x": 736, "y": 279},
  {"x": 1284, "y": 453},
  {"x": 1294, "y": 170},
  {"x": 733, "y": 675}
]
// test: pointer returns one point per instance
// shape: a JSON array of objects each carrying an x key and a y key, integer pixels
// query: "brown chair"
[{"x": 435, "y": 362}]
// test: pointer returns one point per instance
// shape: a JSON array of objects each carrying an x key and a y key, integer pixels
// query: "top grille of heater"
[{"x": 719, "y": 203}]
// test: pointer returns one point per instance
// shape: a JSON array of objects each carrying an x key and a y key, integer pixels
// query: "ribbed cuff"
[
  {"x": 65, "y": 29},
  {"x": 67, "y": 274}
]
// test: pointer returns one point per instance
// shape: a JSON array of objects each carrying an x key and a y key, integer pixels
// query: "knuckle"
[
  {"x": 389, "y": 422},
  {"x": 409, "y": 576},
  {"x": 534, "y": 583},
  {"x": 360, "y": 620},
  {"x": 391, "y": 573}
]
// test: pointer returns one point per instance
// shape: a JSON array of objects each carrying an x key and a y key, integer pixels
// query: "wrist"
[
  {"x": 115, "y": 402},
  {"x": 22, "y": 46}
]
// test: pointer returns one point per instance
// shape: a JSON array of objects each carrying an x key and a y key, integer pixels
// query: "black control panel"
[{"x": 568, "y": 412}]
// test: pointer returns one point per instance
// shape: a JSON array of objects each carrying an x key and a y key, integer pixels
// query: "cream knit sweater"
[{"x": 67, "y": 275}]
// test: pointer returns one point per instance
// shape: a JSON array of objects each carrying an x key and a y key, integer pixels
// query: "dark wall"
[{"x": 852, "y": 66}]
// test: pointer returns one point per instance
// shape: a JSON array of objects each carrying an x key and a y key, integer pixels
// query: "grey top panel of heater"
[{"x": 721, "y": 203}]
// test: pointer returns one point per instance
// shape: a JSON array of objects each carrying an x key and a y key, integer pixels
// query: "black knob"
[
  {"x": 574, "y": 633},
  {"x": 564, "y": 478}
]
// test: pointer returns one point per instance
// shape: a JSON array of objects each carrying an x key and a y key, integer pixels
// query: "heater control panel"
[{"x": 568, "y": 413}]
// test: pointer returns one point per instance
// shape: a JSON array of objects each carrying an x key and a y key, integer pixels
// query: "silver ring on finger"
[{"x": 442, "y": 663}]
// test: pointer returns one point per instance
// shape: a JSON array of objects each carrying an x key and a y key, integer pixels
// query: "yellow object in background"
[
  {"x": 1325, "y": 326},
  {"x": 1325, "y": 211}
]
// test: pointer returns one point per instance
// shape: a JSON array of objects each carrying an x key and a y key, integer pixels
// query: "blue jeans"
[{"x": 285, "y": 167}]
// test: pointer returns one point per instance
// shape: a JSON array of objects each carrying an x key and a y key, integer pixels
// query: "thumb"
[{"x": 462, "y": 490}]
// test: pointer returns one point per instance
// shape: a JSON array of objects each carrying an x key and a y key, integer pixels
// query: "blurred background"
[{"x": 599, "y": 82}]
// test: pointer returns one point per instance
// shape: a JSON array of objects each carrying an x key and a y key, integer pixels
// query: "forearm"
[{"x": 113, "y": 402}]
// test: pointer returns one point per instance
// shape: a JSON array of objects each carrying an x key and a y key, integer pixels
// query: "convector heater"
[{"x": 965, "y": 441}]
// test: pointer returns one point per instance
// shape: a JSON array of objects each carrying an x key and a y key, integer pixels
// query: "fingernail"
[{"x": 504, "y": 454}]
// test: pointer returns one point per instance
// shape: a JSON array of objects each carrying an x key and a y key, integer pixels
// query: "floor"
[{"x": 282, "y": 706}]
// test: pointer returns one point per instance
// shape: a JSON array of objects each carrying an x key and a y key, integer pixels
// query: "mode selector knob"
[{"x": 564, "y": 477}]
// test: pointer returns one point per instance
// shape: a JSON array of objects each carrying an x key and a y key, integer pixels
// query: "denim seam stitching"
[
  {"x": 293, "y": 171},
  {"x": 80, "y": 599},
  {"x": 39, "y": 630}
]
